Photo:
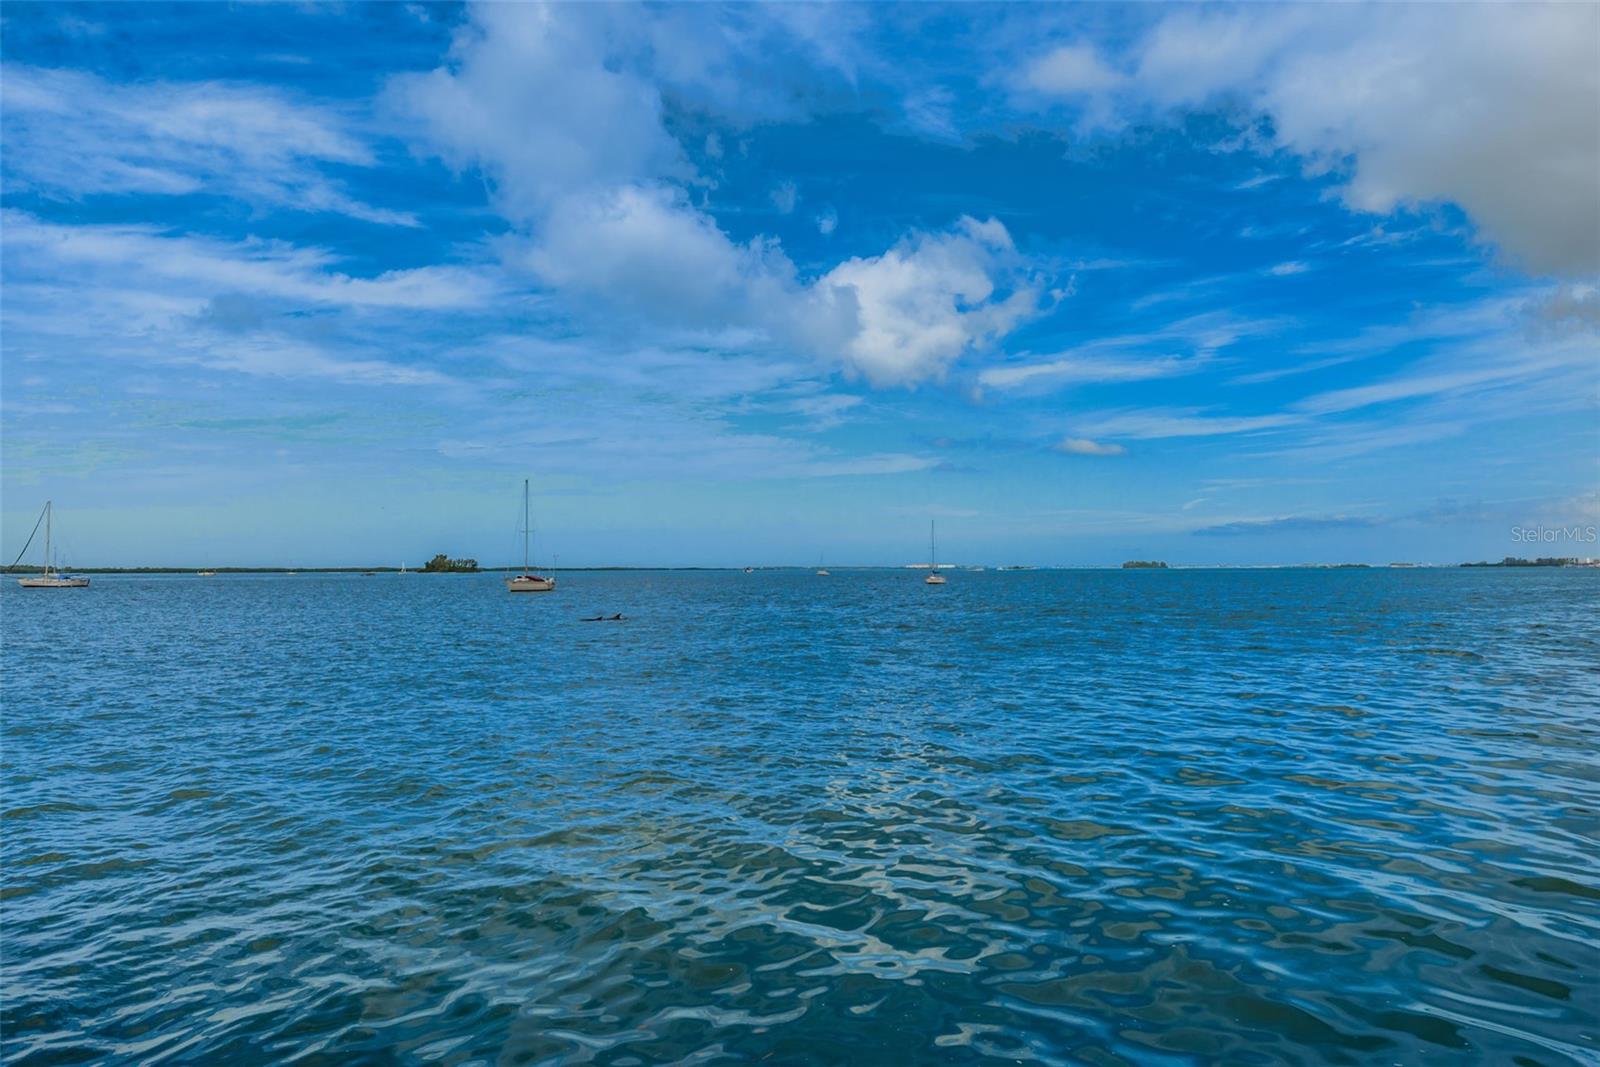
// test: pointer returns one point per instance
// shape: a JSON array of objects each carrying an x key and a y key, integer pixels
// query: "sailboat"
[
  {"x": 527, "y": 581},
  {"x": 822, "y": 572},
  {"x": 934, "y": 577},
  {"x": 51, "y": 578}
]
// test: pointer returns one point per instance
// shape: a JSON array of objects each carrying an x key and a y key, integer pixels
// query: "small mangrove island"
[
  {"x": 1144, "y": 564},
  {"x": 443, "y": 563}
]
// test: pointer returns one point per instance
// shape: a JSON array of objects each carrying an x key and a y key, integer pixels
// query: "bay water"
[{"x": 1098, "y": 817}]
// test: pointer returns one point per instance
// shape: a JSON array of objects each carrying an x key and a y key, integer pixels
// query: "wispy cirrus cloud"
[
  {"x": 1065, "y": 369},
  {"x": 1082, "y": 446},
  {"x": 143, "y": 255},
  {"x": 1154, "y": 423},
  {"x": 1287, "y": 524},
  {"x": 1496, "y": 363},
  {"x": 1132, "y": 357},
  {"x": 72, "y": 134}
]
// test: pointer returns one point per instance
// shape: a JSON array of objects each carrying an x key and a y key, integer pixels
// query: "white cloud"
[
  {"x": 1497, "y": 363},
  {"x": 272, "y": 358},
  {"x": 533, "y": 98},
  {"x": 1181, "y": 422},
  {"x": 608, "y": 222},
  {"x": 784, "y": 197},
  {"x": 827, "y": 222},
  {"x": 1103, "y": 359},
  {"x": 897, "y": 318},
  {"x": 882, "y": 463},
  {"x": 73, "y": 134},
  {"x": 926, "y": 301},
  {"x": 141, "y": 254},
  {"x": 1293, "y": 266},
  {"x": 647, "y": 252},
  {"x": 1071, "y": 68},
  {"x": 823, "y": 411},
  {"x": 1067, "y": 369},
  {"x": 1492, "y": 107},
  {"x": 1256, "y": 182},
  {"x": 1082, "y": 446}
]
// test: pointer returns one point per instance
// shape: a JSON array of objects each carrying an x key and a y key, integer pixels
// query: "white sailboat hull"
[
  {"x": 934, "y": 579},
  {"x": 530, "y": 583},
  {"x": 51, "y": 578}
]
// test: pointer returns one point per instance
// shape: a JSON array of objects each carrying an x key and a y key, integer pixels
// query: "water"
[{"x": 1065, "y": 817}]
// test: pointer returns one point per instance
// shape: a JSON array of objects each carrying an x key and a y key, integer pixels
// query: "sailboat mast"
[
  {"x": 933, "y": 555},
  {"x": 47, "y": 538},
  {"x": 524, "y": 525}
]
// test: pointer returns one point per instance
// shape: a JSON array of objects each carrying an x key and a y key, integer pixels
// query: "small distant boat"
[
  {"x": 749, "y": 570},
  {"x": 822, "y": 572},
  {"x": 51, "y": 578},
  {"x": 402, "y": 568},
  {"x": 934, "y": 577},
  {"x": 206, "y": 574},
  {"x": 527, "y": 581}
]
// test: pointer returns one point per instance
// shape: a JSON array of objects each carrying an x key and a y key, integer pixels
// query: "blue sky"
[{"x": 317, "y": 285}]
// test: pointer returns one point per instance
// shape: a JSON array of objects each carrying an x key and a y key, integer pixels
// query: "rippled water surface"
[{"x": 1070, "y": 817}]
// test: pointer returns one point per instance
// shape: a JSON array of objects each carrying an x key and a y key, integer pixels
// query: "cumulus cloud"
[
  {"x": 1495, "y": 108},
  {"x": 609, "y": 223},
  {"x": 534, "y": 98},
  {"x": 647, "y": 251},
  {"x": 1082, "y": 446},
  {"x": 923, "y": 303}
]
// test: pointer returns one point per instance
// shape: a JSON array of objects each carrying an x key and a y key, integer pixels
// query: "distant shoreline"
[{"x": 26, "y": 569}]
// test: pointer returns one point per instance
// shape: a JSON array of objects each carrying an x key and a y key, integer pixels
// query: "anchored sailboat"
[
  {"x": 934, "y": 577},
  {"x": 51, "y": 578},
  {"x": 527, "y": 581}
]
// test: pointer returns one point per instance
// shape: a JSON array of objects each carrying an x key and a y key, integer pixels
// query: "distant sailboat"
[
  {"x": 527, "y": 581},
  {"x": 934, "y": 577},
  {"x": 51, "y": 578},
  {"x": 822, "y": 572}
]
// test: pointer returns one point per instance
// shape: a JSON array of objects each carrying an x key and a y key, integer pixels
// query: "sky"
[{"x": 317, "y": 285}]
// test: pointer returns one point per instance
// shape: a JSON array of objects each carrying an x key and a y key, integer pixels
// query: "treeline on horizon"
[{"x": 471, "y": 566}]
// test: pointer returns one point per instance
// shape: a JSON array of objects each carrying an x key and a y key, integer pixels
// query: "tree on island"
[
  {"x": 1135, "y": 564},
  {"x": 442, "y": 562}
]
